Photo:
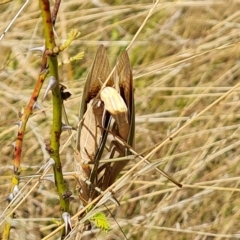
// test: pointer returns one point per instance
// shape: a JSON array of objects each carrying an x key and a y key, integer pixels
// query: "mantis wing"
[
  {"x": 91, "y": 117},
  {"x": 124, "y": 130},
  {"x": 98, "y": 74}
]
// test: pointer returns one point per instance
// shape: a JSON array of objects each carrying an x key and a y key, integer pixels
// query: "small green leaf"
[
  {"x": 100, "y": 220},
  {"x": 72, "y": 59},
  {"x": 72, "y": 35}
]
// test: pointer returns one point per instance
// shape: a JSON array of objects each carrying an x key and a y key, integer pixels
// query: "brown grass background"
[{"x": 186, "y": 57}]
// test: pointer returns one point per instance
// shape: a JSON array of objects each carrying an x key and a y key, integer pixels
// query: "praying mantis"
[
  {"x": 107, "y": 108},
  {"x": 101, "y": 111}
]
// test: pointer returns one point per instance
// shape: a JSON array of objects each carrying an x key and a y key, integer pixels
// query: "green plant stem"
[{"x": 57, "y": 107}]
